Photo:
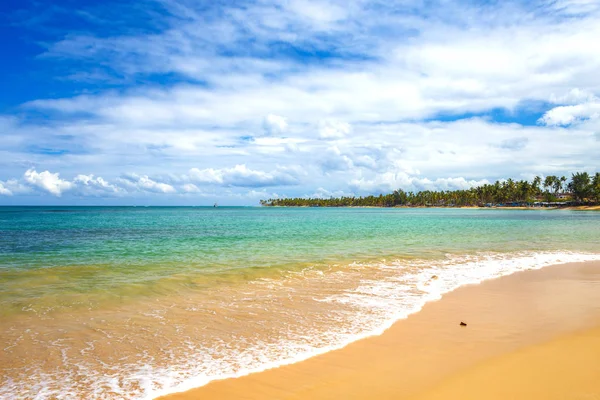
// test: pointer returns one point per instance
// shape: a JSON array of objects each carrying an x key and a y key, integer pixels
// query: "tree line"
[{"x": 582, "y": 188}]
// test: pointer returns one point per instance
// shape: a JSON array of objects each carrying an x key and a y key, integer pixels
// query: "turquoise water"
[
  {"x": 66, "y": 266},
  {"x": 212, "y": 240}
]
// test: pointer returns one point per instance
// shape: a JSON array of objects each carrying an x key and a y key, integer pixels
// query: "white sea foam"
[
  {"x": 361, "y": 300},
  {"x": 381, "y": 303}
]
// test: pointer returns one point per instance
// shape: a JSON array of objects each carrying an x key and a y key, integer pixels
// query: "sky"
[{"x": 191, "y": 102}]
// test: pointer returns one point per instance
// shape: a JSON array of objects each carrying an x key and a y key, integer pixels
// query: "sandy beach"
[
  {"x": 563, "y": 368},
  {"x": 139, "y": 303},
  {"x": 531, "y": 335}
]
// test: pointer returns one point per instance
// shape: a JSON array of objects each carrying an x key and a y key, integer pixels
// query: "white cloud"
[
  {"x": 322, "y": 193},
  {"x": 260, "y": 195},
  {"x": 467, "y": 59},
  {"x": 239, "y": 176},
  {"x": 4, "y": 191},
  {"x": 190, "y": 188},
  {"x": 275, "y": 124},
  {"x": 382, "y": 183},
  {"x": 90, "y": 185},
  {"x": 365, "y": 161},
  {"x": 318, "y": 13},
  {"x": 242, "y": 176},
  {"x": 16, "y": 187},
  {"x": 50, "y": 182},
  {"x": 332, "y": 129},
  {"x": 370, "y": 77},
  {"x": 443, "y": 70},
  {"x": 392, "y": 180},
  {"x": 333, "y": 160},
  {"x": 566, "y": 115},
  {"x": 208, "y": 175},
  {"x": 372, "y": 160},
  {"x": 575, "y": 7},
  {"x": 459, "y": 183},
  {"x": 573, "y": 96},
  {"x": 144, "y": 183}
]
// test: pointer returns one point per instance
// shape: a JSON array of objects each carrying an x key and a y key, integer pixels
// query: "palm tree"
[
  {"x": 581, "y": 185},
  {"x": 559, "y": 184},
  {"x": 537, "y": 181},
  {"x": 596, "y": 186}
]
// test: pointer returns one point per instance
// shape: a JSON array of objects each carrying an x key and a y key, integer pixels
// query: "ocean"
[{"x": 138, "y": 302}]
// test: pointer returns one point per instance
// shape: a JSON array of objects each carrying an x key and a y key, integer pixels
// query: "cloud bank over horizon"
[{"x": 188, "y": 102}]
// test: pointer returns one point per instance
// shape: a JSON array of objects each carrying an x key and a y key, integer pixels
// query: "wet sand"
[{"x": 543, "y": 325}]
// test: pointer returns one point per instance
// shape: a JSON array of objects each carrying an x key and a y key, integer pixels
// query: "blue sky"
[{"x": 191, "y": 102}]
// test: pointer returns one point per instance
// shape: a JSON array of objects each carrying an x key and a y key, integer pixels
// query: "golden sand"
[
  {"x": 564, "y": 368},
  {"x": 520, "y": 331},
  {"x": 585, "y": 208}
]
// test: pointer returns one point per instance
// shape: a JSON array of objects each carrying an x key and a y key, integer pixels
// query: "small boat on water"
[{"x": 215, "y": 205}]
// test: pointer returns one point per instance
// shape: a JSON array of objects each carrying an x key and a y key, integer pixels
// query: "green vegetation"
[{"x": 581, "y": 189}]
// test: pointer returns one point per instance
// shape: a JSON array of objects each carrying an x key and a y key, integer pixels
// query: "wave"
[
  {"x": 346, "y": 303},
  {"x": 381, "y": 303}
]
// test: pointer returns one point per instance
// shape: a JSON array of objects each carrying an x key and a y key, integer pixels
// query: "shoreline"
[
  {"x": 429, "y": 346},
  {"x": 567, "y": 208}
]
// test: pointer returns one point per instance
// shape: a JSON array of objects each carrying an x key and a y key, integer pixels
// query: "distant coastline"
[
  {"x": 581, "y": 192},
  {"x": 593, "y": 207}
]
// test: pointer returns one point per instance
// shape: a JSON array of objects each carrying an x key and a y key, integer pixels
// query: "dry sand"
[
  {"x": 564, "y": 368},
  {"x": 585, "y": 208},
  {"x": 531, "y": 335}
]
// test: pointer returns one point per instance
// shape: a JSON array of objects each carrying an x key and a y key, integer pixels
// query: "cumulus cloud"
[
  {"x": 333, "y": 160},
  {"x": 90, "y": 185},
  {"x": 399, "y": 75},
  {"x": 332, "y": 129},
  {"x": 47, "y": 181},
  {"x": 381, "y": 183},
  {"x": 566, "y": 115},
  {"x": 275, "y": 124},
  {"x": 190, "y": 188},
  {"x": 459, "y": 183},
  {"x": 365, "y": 161},
  {"x": 144, "y": 183},
  {"x": 242, "y": 176},
  {"x": 389, "y": 181},
  {"x": 239, "y": 176},
  {"x": 322, "y": 193},
  {"x": 83, "y": 185},
  {"x": 260, "y": 195},
  {"x": 573, "y": 96},
  {"x": 16, "y": 187},
  {"x": 393, "y": 95},
  {"x": 4, "y": 191},
  {"x": 208, "y": 175}
]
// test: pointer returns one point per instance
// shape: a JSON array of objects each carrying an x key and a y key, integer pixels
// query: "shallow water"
[{"x": 137, "y": 302}]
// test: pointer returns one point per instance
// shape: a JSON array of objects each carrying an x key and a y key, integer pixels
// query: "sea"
[{"x": 139, "y": 302}]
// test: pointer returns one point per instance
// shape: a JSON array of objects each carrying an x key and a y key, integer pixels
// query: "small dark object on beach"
[{"x": 462, "y": 324}]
